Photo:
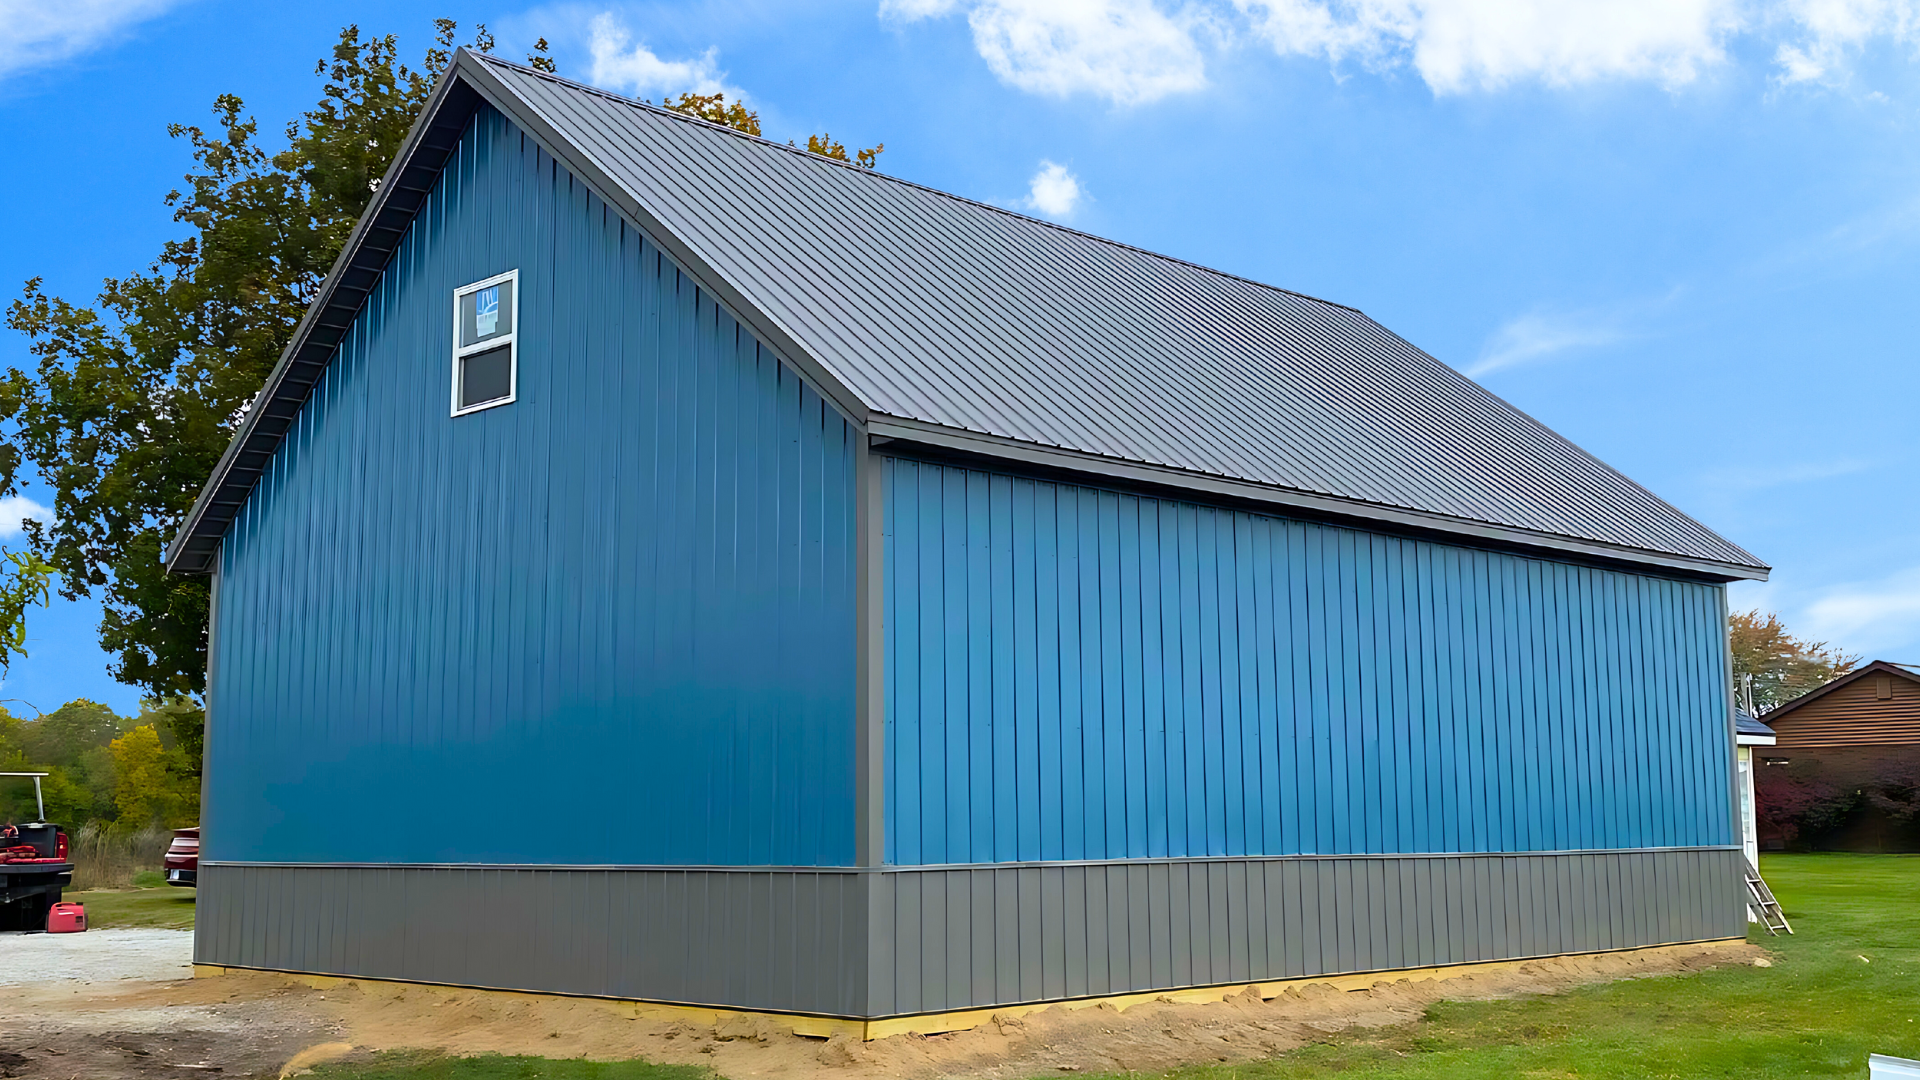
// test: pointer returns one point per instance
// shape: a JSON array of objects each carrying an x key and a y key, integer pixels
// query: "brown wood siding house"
[{"x": 1853, "y": 743}]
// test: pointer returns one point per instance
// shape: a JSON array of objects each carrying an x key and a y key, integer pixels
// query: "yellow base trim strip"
[
  {"x": 824, "y": 1027},
  {"x": 935, "y": 1023}
]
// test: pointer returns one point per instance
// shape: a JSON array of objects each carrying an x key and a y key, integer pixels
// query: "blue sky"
[{"x": 1683, "y": 233}]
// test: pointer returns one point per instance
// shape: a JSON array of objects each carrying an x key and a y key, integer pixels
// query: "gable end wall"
[{"x": 609, "y": 623}]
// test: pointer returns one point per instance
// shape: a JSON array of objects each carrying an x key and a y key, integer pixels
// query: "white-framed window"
[{"x": 486, "y": 353}]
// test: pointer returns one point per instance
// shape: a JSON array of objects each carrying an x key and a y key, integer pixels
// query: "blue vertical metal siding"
[
  {"x": 1075, "y": 673},
  {"x": 612, "y": 622}
]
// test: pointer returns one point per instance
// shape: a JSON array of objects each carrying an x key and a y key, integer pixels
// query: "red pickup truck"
[{"x": 183, "y": 857}]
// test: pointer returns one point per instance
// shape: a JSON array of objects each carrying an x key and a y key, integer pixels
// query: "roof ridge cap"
[{"x": 672, "y": 114}]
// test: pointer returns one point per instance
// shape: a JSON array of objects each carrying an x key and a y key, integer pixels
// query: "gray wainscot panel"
[{"x": 905, "y": 941}]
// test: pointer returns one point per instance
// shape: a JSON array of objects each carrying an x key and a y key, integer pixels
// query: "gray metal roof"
[
  {"x": 1743, "y": 724},
  {"x": 946, "y": 321}
]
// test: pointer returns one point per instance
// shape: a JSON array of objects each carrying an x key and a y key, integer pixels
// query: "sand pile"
[
  {"x": 253, "y": 1024},
  {"x": 1060, "y": 1040}
]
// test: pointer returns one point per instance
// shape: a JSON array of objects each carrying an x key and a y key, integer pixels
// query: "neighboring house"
[
  {"x": 670, "y": 565},
  {"x": 1748, "y": 733},
  {"x": 1855, "y": 740}
]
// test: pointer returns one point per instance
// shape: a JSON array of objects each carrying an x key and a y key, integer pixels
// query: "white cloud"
[
  {"x": 1055, "y": 191},
  {"x": 1136, "y": 51},
  {"x": 34, "y": 33},
  {"x": 620, "y": 63},
  {"x": 1537, "y": 336},
  {"x": 1463, "y": 45},
  {"x": 15, "y": 509},
  {"x": 1870, "y": 616},
  {"x": 1127, "y": 51},
  {"x": 1831, "y": 31}
]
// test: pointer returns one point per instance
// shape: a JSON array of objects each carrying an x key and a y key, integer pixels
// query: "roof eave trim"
[
  {"x": 969, "y": 442},
  {"x": 192, "y": 527}
]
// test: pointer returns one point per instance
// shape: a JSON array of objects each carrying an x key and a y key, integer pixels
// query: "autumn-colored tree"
[
  {"x": 824, "y": 145},
  {"x": 1782, "y": 666},
  {"x": 716, "y": 109},
  {"x": 150, "y": 786},
  {"x": 141, "y": 791}
]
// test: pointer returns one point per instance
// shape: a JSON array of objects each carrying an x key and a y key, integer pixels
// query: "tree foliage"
[
  {"x": 1817, "y": 795},
  {"x": 146, "y": 788},
  {"x": 716, "y": 109},
  {"x": 824, "y": 145},
  {"x": 130, "y": 402},
  {"x": 1782, "y": 666},
  {"x": 95, "y": 773},
  {"x": 133, "y": 400},
  {"x": 26, "y": 583},
  {"x": 541, "y": 59}
]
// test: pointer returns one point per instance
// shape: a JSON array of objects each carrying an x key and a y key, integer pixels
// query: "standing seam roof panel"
[
  {"x": 823, "y": 168},
  {"x": 946, "y": 312}
]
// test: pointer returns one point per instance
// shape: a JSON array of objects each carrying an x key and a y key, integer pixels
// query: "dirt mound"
[
  {"x": 1155, "y": 1035},
  {"x": 253, "y": 1024}
]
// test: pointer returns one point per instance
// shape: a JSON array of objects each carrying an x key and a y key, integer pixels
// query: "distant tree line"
[{"x": 123, "y": 772}]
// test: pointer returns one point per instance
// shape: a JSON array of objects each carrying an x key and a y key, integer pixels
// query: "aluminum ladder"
[{"x": 1761, "y": 902}]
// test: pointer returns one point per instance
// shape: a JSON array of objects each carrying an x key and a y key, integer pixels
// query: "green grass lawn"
[
  {"x": 1848, "y": 983},
  {"x": 167, "y": 907}
]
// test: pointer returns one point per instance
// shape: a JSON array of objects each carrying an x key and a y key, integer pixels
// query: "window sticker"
[{"x": 486, "y": 311}]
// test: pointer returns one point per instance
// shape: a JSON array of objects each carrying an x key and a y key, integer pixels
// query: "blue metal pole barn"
[{"x": 740, "y": 579}]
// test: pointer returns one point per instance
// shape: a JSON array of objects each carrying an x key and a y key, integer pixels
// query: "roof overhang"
[
  {"x": 1322, "y": 507},
  {"x": 356, "y": 271}
]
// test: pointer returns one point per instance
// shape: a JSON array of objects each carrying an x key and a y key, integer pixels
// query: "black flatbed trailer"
[
  {"x": 33, "y": 868},
  {"x": 28, "y": 890}
]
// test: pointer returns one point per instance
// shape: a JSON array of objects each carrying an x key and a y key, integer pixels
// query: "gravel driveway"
[
  {"x": 123, "y": 1005},
  {"x": 96, "y": 956}
]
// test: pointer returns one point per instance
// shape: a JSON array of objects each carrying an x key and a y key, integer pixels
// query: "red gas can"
[{"x": 66, "y": 918}]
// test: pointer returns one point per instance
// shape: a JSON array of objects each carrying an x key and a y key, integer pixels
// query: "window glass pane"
[
  {"x": 486, "y": 376},
  {"x": 486, "y": 313}
]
